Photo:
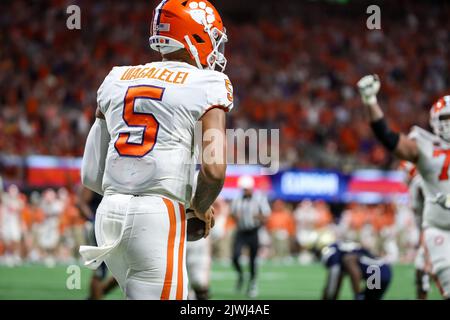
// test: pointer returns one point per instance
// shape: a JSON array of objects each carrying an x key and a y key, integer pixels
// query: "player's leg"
[
  {"x": 201, "y": 292},
  {"x": 237, "y": 249},
  {"x": 156, "y": 250},
  {"x": 437, "y": 245},
  {"x": 385, "y": 281},
  {"x": 199, "y": 264},
  {"x": 17, "y": 243},
  {"x": 191, "y": 258},
  {"x": 96, "y": 289},
  {"x": 109, "y": 285},
  {"x": 422, "y": 276},
  {"x": 444, "y": 280},
  {"x": 422, "y": 284},
  {"x": 12, "y": 237},
  {"x": 52, "y": 241},
  {"x": 253, "y": 243},
  {"x": 376, "y": 294}
]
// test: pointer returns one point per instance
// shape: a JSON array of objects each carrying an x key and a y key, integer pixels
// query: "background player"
[
  {"x": 350, "y": 258},
  {"x": 145, "y": 129},
  {"x": 198, "y": 260},
  {"x": 414, "y": 183},
  {"x": 49, "y": 235},
  {"x": 250, "y": 211},
  {"x": 198, "y": 263},
  {"x": 431, "y": 154},
  {"x": 11, "y": 226}
]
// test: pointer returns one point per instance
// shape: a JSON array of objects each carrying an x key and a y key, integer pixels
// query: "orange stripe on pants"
[
  {"x": 165, "y": 294},
  {"x": 180, "y": 253}
]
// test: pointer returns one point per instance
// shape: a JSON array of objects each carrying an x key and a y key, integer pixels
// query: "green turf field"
[{"x": 276, "y": 281}]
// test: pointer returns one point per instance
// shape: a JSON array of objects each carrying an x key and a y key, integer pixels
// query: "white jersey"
[
  {"x": 151, "y": 112},
  {"x": 10, "y": 218},
  {"x": 433, "y": 165}
]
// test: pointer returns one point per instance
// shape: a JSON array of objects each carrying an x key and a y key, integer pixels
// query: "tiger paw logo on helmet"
[
  {"x": 201, "y": 13},
  {"x": 195, "y": 26}
]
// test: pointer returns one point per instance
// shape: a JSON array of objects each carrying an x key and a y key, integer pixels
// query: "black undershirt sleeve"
[{"x": 384, "y": 134}]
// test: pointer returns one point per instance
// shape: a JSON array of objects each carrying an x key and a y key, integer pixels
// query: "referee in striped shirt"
[{"x": 250, "y": 211}]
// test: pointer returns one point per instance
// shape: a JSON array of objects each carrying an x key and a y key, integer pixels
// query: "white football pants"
[
  {"x": 437, "y": 247},
  {"x": 142, "y": 240}
]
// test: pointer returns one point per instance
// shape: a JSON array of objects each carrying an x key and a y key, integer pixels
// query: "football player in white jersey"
[
  {"x": 11, "y": 225},
  {"x": 49, "y": 235},
  {"x": 139, "y": 152},
  {"x": 414, "y": 182},
  {"x": 430, "y": 152}
]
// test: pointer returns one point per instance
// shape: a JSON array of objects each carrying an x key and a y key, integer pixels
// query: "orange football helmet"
[
  {"x": 194, "y": 25},
  {"x": 439, "y": 117}
]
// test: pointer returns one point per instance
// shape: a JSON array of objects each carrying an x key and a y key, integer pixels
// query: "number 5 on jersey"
[{"x": 146, "y": 121}]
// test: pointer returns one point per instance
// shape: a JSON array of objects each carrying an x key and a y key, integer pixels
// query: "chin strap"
[{"x": 193, "y": 51}]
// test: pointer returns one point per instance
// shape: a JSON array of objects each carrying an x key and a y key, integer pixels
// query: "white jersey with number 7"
[{"x": 434, "y": 167}]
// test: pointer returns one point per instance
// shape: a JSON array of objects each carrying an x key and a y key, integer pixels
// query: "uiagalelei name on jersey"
[{"x": 151, "y": 112}]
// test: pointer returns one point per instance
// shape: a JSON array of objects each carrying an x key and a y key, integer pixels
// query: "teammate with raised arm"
[
  {"x": 140, "y": 151},
  {"x": 430, "y": 152}
]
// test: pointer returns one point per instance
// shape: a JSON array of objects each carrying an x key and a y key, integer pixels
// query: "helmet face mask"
[
  {"x": 216, "y": 59},
  {"x": 440, "y": 118},
  {"x": 443, "y": 129}
]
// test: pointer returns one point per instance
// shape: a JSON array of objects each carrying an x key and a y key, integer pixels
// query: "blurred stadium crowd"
[
  {"x": 48, "y": 227},
  {"x": 289, "y": 72}
]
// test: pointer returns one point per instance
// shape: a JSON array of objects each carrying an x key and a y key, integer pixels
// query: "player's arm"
[
  {"x": 233, "y": 210},
  {"x": 264, "y": 210},
  {"x": 351, "y": 266},
  {"x": 333, "y": 284},
  {"x": 399, "y": 144},
  {"x": 419, "y": 202},
  {"x": 213, "y": 158},
  {"x": 93, "y": 164}
]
